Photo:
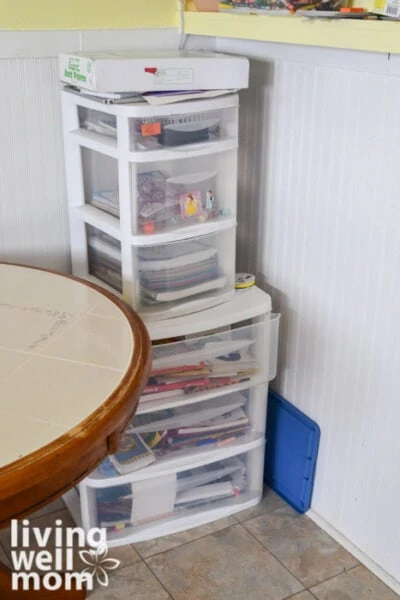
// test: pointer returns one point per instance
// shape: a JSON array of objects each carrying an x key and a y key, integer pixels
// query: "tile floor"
[{"x": 265, "y": 553}]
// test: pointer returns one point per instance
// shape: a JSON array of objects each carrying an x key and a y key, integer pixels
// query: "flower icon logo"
[{"x": 98, "y": 563}]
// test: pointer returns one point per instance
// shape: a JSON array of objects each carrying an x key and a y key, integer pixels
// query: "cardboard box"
[{"x": 129, "y": 71}]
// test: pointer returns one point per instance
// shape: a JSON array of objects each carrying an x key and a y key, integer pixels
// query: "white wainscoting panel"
[
  {"x": 33, "y": 205},
  {"x": 319, "y": 223},
  {"x": 33, "y": 216}
]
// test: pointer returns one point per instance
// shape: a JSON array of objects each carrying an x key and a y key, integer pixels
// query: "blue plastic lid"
[{"x": 291, "y": 452}]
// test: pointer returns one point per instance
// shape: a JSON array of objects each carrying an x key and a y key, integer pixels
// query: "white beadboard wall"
[
  {"x": 33, "y": 207},
  {"x": 319, "y": 224}
]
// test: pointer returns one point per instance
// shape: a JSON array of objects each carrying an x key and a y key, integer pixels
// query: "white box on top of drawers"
[
  {"x": 153, "y": 70},
  {"x": 153, "y": 179}
]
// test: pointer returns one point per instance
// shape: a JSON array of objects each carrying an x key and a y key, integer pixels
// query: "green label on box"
[{"x": 73, "y": 71}]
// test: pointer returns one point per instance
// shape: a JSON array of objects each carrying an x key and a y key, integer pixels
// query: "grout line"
[
  {"x": 356, "y": 566},
  {"x": 159, "y": 580},
  {"x": 262, "y": 514},
  {"x": 333, "y": 577},
  {"x": 31, "y": 354},
  {"x": 63, "y": 428},
  {"x": 50, "y": 512},
  {"x": 184, "y": 543},
  {"x": 277, "y": 559},
  {"x": 306, "y": 587},
  {"x": 237, "y": 522},
  {"x": 121, "y": 370}
]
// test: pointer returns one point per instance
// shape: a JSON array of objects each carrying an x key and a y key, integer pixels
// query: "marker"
[{"x": 205, "y": 443}]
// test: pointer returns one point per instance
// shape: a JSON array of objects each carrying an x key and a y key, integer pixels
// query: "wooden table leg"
[{"x": 6, "y": 593}]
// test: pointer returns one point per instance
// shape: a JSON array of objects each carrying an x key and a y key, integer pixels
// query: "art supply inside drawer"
[
  {"x": 187, "y": 428},
  {"x": 208, "y": 366},
  {"x": 141, "y": 501},
  {"x": 169, "y": 131},
  {"x": 177, "y": 272},
  {"x": 172, "y": 194}
]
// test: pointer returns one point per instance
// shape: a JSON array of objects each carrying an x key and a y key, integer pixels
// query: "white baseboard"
[{"x": 359, "y": 554}]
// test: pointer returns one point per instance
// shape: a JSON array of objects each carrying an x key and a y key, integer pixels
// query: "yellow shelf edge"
[
  {"x": 28, "y": 15},
  {"x": 368, "y": 35}
]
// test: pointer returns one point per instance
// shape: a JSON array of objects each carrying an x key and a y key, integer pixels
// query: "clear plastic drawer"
[
  {"x": 177, "y": 193},
  {"x": 188, "y": 428},
  {"x": 100, "y": 180},
  {"x": 204, "y": 367},
  {"x": 97, "y": 121},
  {"x": 104, "y": 257},
  {"x": 165, "y": 131},
  {"x": 183, "y": 276},
  {"x": 128, "y": 508}
]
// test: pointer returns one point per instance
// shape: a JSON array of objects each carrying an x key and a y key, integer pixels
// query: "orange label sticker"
[{"x": 151, "y": 129}]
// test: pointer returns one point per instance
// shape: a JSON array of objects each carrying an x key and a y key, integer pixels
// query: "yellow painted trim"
[
  {"x": 86, "y": 14},
  {"x": 371, "y": 35}
]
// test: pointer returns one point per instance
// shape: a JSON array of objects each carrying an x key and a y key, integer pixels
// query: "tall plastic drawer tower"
[
  {"x": 152, "y": 207},
  {"x": 152, "y": 200}
]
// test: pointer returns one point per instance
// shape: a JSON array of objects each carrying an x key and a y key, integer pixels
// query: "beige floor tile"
[
  {"x": 167, "y": 542},
  {"x": 269, "y": 502},
  {"x": 305, "y": 550},
  {"x": 136, "y": 582},
  {"x": 4, "y": 557},
  {"x": 47, "y": 510},
  {"x": 302, "y": 596},
  {"x": 228, "y": 564},
  {"x": 357, "y": 584},
  {"x": 127, "y": 555}
]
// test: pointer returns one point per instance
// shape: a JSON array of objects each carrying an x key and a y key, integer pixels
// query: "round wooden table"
[{"x": 73, "y": 363}]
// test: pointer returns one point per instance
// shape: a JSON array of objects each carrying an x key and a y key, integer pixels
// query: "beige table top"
[{"x": 64, "y": 347}]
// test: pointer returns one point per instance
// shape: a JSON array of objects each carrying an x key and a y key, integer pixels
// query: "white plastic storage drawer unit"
[
  {"x": 157, "y": 180},
  {"x": 199, "y": 427}
]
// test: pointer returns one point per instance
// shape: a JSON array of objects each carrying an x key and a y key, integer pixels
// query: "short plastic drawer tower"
[{"x": 194, "y": 451}]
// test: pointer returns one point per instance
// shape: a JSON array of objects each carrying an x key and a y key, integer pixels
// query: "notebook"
[{"x": 133, "y": 454}]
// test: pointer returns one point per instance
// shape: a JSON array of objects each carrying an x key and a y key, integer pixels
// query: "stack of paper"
[{"x": 152, "y": 98}]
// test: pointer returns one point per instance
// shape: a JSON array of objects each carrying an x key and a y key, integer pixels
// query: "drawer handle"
[{"x": 188, "y": 147}]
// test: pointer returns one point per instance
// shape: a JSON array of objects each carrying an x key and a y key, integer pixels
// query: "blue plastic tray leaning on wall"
[{"x": 291, "y": 452}]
